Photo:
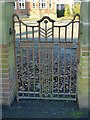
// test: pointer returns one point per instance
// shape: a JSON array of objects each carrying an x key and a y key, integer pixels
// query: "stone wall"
[{"x": 25, "y": 11}]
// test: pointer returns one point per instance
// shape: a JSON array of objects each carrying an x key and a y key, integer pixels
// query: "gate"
[{"x": 47, "y": 56}]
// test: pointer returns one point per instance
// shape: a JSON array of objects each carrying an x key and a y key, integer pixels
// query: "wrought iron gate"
[{"x": 46, "y": 56}]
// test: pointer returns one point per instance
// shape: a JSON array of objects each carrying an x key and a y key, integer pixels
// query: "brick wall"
[
  {"x": 25, "y": 11},
  {"x": 7, "y": 76},
  {"x": 37, "y": 12}
]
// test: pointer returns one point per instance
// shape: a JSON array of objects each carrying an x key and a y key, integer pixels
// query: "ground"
[{"x": 43, "y": 109}]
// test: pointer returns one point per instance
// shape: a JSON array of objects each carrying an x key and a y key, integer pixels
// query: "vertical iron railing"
[{"x": 46, "y": 66}]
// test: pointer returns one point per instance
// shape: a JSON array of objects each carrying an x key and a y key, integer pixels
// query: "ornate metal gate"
[{"x": 46, "y": 56}]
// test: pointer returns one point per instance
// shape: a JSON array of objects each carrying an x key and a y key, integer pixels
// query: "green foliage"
[
  {"x": 67, "y": 10},
  {"x": 77, "y": 114},
  {"x": 76, "y": 8}
]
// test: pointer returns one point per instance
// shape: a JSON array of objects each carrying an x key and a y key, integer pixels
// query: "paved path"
[{"x": 43, "y": 109}]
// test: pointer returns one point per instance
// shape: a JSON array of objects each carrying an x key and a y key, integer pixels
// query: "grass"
[{"x": 77, "y": 114}]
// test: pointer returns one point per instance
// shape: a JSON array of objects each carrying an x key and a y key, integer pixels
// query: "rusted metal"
[{"x": 46, "y": 60}]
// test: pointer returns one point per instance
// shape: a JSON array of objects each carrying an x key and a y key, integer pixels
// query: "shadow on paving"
[{"x": 43, "y": 109}]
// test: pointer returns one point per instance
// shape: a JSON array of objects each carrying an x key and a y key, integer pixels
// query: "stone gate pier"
[
  {"x": 84, "y": 67},
  {"x": 7, "y": 70}
]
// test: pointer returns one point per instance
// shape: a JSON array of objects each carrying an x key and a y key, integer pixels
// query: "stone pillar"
[
  {"x": 7, "y": 67},
  {"x": 84, "y": 67}
]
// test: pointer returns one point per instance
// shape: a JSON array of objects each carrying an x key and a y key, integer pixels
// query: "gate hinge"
[
  {"x": 78, "y": 61},
  {"x": 11, "y": 31}
]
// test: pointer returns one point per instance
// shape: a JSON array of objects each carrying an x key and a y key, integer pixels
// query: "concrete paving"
[{"x": 43, "y": 109}]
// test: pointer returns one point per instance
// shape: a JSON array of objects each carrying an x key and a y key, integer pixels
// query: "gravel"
[{"x": 57, "y": 71}]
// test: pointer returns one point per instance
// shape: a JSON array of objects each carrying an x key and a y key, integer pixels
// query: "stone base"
[
  {"x": 83, "y": 102},
  {"x": 8, "y": 91}
]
